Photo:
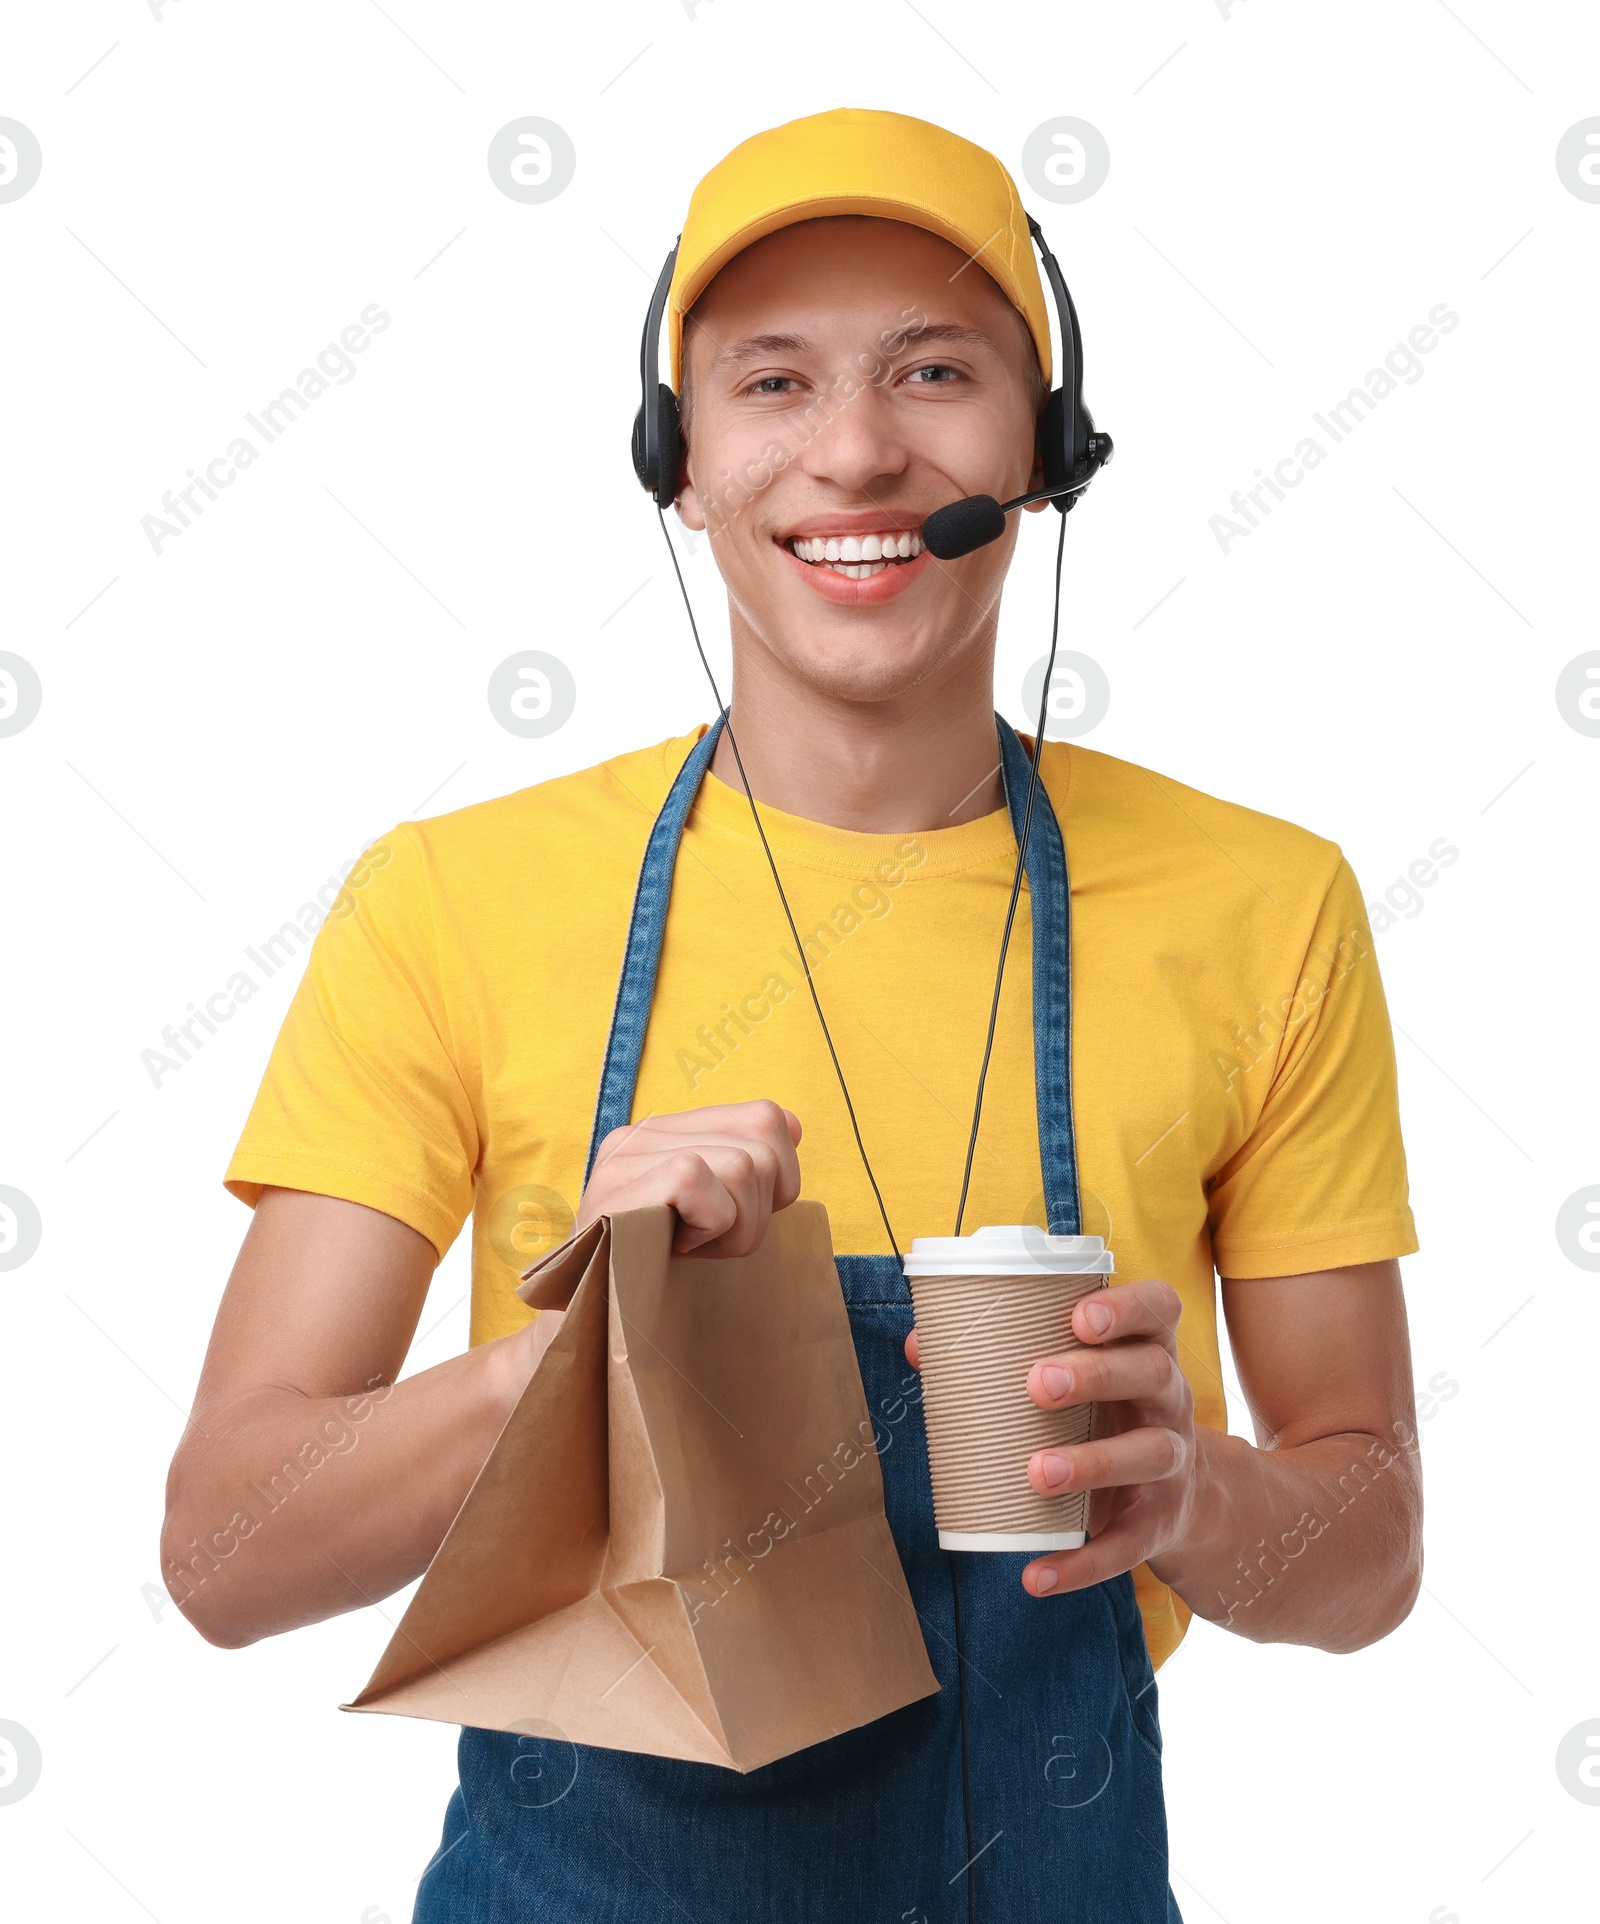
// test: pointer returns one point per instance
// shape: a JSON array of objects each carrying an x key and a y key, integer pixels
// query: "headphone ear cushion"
[
  {"x": 638, "y": 449},
  {"x": 1054, "y": 442},
  {"x": 669, "y": 447},
  {"x": 662, "y": 482}
]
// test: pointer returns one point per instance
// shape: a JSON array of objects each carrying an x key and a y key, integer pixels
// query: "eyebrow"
[
  {"x": 947, "y": 333},
  {"x": 759, "y": 347}
]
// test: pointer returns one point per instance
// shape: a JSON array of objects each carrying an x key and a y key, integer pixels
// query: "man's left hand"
[{"x": 1142, "y": 1466}]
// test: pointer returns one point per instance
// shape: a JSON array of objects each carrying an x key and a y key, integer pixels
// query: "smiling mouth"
[{"x": 856, "y": 556}]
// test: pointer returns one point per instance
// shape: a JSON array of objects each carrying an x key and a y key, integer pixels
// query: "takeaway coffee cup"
[{"x": 988, "y": 1307}]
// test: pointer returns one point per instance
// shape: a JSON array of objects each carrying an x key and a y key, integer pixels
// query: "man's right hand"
[
  {"x": 312, "y": 1333},
  {"x": 723, "y": 1169}
]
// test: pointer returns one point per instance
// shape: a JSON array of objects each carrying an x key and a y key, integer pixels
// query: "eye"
[
  {"x": 772, "y": 384},
  {"x": 936, "y": 374}
]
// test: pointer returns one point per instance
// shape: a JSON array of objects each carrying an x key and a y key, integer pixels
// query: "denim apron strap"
[
  {"x": 636, "y": 985},
  {"x": 1050, "y": 898}
]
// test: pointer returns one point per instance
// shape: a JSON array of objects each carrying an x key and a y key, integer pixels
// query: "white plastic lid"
[{"x": 1017, "y": 1249}]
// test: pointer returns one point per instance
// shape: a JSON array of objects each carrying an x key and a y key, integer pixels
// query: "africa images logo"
[
  {"x": 334, "y": 365},
  {"x": 1401, "y": 367}
]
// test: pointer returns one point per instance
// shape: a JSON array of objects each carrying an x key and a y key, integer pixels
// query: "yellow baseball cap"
[{"x": 856, "y": 160}]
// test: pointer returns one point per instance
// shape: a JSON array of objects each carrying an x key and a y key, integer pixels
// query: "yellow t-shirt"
[{"x": 1232, "y": 1066}]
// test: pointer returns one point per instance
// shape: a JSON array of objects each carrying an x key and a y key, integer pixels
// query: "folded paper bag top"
[{"x": 678, "y": 1543}]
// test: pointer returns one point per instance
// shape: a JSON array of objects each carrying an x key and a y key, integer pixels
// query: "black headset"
[{"x": 1073, "y": 452}]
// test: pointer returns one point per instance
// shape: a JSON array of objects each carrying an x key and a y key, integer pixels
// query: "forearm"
[
  {"x": 1317, "y": 1543},
  {"x": 285, "y": 1508}
]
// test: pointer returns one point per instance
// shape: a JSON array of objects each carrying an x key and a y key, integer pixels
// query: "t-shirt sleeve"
[
  {"x": 362, "y": 1098},
  {"x": 1320, "y": 1181}
]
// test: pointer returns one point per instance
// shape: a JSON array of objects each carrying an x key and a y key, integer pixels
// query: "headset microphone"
[{"x": 977, "y": 519}]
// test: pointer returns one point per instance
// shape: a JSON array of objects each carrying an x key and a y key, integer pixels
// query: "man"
[{"x": 859, "y": 337}]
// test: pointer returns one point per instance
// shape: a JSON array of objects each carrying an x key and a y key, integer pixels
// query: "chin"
[
  {"x": 868, "y": 666},
  {"x": 864, "y": 654}
]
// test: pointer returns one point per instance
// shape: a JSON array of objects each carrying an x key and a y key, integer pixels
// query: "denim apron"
[{"x": 1030, "y": 1786}]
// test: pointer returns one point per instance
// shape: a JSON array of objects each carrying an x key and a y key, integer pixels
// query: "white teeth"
[{"x": 857, "y": 556}]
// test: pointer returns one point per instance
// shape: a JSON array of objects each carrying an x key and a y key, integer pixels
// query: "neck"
[{"x": 922, "y": 760}]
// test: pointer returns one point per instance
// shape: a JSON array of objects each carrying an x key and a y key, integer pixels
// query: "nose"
[{"x": 854, "y": 441}]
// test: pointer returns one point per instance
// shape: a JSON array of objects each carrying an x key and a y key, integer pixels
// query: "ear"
[
  {"x": 1036, "y": 476},
  {"x": 691, "y": 509}
]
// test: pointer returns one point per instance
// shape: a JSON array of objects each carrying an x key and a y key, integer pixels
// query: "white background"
[{"x": 224, "y": 724}]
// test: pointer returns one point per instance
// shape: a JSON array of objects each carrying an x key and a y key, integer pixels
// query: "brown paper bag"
[{"x": 641, "y": 1563}]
